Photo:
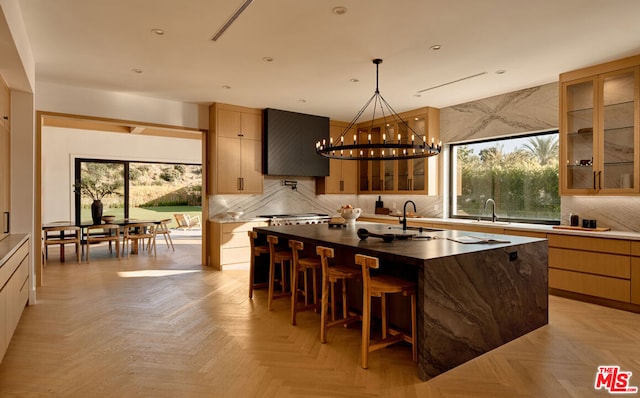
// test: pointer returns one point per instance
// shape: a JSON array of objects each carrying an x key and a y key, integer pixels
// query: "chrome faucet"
[
  {"x": 404, "y": 214},
  {"x": 493, "y": 209}
]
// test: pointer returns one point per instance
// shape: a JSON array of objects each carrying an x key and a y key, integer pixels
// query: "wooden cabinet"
[
  {"x": 599, "y": 135},
  {"x": 235, "y": 149},
  {"x": 596, "y": 267},
  {"x": 229, "y": 243},
  {"x": 5, "y": 157},
  {"x": 342, "y": 173},
  {"x": 635, "y": 272},
  {"x": 14, "y": 290},
  {"x": 409, "y": 176}
]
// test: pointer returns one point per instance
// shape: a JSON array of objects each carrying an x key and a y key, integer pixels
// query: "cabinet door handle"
[
  {"x": 7, "y": 219},
  {"x": 341, "y": 185},
  {"x": 410, "y": 184},
  {"x": 238, "y": 184},
  {"x": 600, "y": 179},
  {"x": 594, "y": 180},
  {"x": 242, "y": 183}
]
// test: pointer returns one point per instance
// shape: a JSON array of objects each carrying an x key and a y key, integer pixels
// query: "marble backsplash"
[
  {"x": 280, "y": 199},
  {"x": 620, "y": 213}
]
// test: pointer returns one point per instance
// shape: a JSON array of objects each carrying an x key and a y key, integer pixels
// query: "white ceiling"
[{"x": 97, "y": 43}]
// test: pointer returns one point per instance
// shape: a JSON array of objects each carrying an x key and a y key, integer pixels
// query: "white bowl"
[
  {"x": 235, "y": 214},
  {"x": 350, "y": 215}
]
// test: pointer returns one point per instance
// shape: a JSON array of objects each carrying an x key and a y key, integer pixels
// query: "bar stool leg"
[
  {"x": 333, "y": 301},
  {"x": 383, "y": 309},
  {"x": 294, "y": 290},
  {"x": 272, "y": 277},
  {"x": 324, "y": 307}
]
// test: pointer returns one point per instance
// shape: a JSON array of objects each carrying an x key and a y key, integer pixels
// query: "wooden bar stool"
[
  {"x": 303, "y": 264},
  {"x": 330, "y": 275},
  {"x": 277, "y": 257},
  {"x": 380, "y": 286},
  {"x": 256, "y": 251}
]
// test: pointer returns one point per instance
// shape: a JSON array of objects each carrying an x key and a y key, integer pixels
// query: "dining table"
[{"x": 121, "y": 222}]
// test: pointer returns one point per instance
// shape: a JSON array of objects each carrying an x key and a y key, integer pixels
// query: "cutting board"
[{"x": 599, "y": 229}]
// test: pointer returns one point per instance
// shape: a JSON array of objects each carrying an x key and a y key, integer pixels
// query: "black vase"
[{"x": 96, "y": 212}]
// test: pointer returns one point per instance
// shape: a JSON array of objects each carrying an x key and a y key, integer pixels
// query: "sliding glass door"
[{"x": 144, "y": 191}]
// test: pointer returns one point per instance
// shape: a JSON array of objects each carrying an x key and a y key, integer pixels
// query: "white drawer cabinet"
[
  {"x": 229, "y": 242},
  {"x": 14, "y": 290}
]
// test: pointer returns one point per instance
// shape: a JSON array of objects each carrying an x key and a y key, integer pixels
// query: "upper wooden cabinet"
[
  {"x": 412, "y": 176},
  {"x": 342, "y": 173},
  {"x": 235, "y": 148},
  {"x": 599, "y": 135}
]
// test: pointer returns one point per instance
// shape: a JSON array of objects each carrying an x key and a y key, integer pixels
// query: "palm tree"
[
  {"x": 543, "y": 148},
  {"x": 492, "y": 155}
]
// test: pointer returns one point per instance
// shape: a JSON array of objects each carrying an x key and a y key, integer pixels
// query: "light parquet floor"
[{"x": 165, "y": 327}]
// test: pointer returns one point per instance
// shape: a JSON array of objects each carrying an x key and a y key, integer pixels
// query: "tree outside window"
[{"x": 519, "y": 174}]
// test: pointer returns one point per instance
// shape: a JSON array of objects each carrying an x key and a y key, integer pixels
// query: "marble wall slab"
[{"x": 528, "y": 110}]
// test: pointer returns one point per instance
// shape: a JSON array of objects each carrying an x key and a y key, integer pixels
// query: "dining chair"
[
  {"x": 135, "y": 235},
  {"x": 163, "y": 229},
  {"x": 61, "y": 235},
  {"x": 381, "y": 286},
  {"x": 103, "y": 233}
]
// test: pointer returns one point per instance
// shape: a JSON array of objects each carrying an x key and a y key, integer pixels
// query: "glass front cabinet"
[
  {"x": 599, "y": 129},
  {"x": 415, "y": 176}
]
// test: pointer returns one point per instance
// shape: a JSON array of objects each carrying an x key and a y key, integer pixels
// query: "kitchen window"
[{"x": 519, "y": 173}]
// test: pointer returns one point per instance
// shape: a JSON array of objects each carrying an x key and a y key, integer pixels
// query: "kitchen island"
[{"x": 472, "y": 297}]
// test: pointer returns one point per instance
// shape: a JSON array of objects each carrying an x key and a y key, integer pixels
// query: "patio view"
[{"x": 145, "y": 191}]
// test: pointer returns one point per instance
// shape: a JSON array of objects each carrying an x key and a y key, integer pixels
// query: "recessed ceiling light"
[
  {"x": 136, "y": 70},
  {"x": 157, "y": 31},
  {"x": 354, "y": 80},
  {"x": 267, "y": 59},
  {"x": 226, "y": 87},
  {"x": 339, "y": 10},
  {"x": 436, "y": 47},
  {"x": 501, "y": 72}
]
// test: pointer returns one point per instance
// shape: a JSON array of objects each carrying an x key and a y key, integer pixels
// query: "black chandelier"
[{"x": 389, "y": 148}]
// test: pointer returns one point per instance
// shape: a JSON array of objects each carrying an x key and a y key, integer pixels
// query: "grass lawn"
[{"x": 150, "y": 213}]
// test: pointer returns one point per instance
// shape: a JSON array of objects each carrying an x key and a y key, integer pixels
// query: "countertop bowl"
[{"x": 350, "y": 214}]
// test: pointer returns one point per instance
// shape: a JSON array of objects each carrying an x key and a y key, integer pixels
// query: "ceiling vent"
[{"x": 452, "y": 82}]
